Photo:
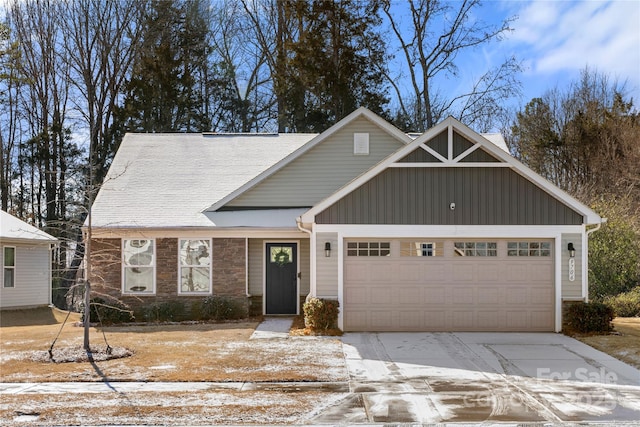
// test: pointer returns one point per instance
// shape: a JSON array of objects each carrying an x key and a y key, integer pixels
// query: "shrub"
[
  {"x": 108, "y": 312},
  {"x": 219, "y": 308},
  {"x": 614, "y": 251},
  {"x": 626, "y": 304},
  {"x": 320, "y": 314},
  {"x": 589, "y": 317},
  {"x": 169, "y": 311}
]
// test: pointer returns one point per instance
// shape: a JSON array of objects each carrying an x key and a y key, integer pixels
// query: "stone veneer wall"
[{"x": 228, "y": 272}]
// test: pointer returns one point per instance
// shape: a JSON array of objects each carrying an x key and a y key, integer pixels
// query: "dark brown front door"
[{"x": 281, "y": 278}]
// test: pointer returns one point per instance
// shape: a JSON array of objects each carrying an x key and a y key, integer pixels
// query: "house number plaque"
[{"x": 572, "y": 269}]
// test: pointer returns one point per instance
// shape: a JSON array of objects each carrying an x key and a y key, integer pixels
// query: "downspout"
[
  {"x": 586, "y": 267},
  {"x": 246, "y": 266},
  {"x": 312, "y": 261}
]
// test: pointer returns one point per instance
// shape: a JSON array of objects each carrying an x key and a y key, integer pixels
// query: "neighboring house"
[
  {"x": 443, "y": 231},
  {"x": 26, "y": 264}
]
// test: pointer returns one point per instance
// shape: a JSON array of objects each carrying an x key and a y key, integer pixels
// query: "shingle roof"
[
  {"x": 167, "y": 180},
  {"x": 12, "y": 228}
]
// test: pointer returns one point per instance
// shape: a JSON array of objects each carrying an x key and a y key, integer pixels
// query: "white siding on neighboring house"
[
  {"x": 32, "y": 277},
  {"x": 322, "y": 170},
  {"x": 327, "y": 268},
  {"x": 571, "y": 289}
]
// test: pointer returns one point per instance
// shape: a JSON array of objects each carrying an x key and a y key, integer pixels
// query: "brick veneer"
[{"x": 228, "y": 272}]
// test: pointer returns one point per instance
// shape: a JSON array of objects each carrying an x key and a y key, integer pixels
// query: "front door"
[{"x": 281, "y": 292}]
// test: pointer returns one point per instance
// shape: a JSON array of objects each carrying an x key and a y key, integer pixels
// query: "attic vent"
[{"x": 361, "y": 144}]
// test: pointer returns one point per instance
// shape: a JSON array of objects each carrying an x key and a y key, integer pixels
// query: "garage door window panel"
[
  {"x": 368, "y": 249},
  {"x": 420, "y": 249},
  {"x": 476, "y": 249},
  {"x": 528, "y": 249}
]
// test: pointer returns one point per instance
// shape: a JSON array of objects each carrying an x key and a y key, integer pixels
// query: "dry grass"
[
  {"x": 624, "y": 344},
  {"x": 183, "y": 352},
  {"x": 298, "y": 329}
]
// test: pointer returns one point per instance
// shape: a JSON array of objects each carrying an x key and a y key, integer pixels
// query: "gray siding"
[
  {"x": 321, "y": 171},
  {"x": 571, "y": 290},
  {"x": 326, "y": 268},
  {"x": 483, "y": 196},
  {"x": 256, "y": 265},
  {"x": 32, "y": 281}
]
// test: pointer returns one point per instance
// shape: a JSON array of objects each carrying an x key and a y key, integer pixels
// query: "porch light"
[
  {"x": 572, "y": 250},
  {"x": 327, "y": 249}
]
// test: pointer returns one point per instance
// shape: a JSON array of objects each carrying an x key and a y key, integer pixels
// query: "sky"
[{"x": 557, "y": 39}]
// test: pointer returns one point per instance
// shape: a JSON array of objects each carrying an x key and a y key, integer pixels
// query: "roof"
[
  {"x": 168, "y": 180},
  {"x": 360, "y": 112},
  {"x": 12, "y": 228}
]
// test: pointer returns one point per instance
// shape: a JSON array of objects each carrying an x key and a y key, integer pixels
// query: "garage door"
[{"x": 448, "y": 285}]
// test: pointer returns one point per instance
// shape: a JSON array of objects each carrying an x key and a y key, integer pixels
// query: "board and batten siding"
[
  {"x": 482, "y": 196},
  {"x": 32, "y": 278},
  {"x": 322, "y": 170},
  {"x": 256, "y": 265},
  {"x": 571, "y": 289},
  {"x": 327, "y": 267}
]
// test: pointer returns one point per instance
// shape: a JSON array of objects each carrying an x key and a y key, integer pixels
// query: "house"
[
  {"x": 26, "y": 264},
  {"x": 443, "y": 231}
]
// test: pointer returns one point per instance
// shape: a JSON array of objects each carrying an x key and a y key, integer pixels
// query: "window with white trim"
[
  {"x": 412, "y": 249},
  {"x": 195, "y": 266},
  {"x": 529, "y": 249},
  {"x": 475, "y": 248},
  {"x": 368, "y": 249},
  {"x": 138, "y": 266},
  {"x": 9, "y": 267}
]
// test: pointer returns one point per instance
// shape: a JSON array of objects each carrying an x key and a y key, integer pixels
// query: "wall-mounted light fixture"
[
  {"x": 452, "y": 206},
  {"x": 571, "y": 249},
  {"x": 327, "y": 249}
]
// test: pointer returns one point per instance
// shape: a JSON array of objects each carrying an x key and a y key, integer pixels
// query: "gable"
[
  {"x": 422, "y": 196},
  {"x": 322, "y": 170},
  {"x": 448, "y": 164}
]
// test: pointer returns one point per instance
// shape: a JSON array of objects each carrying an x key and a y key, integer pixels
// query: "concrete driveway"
[{"x": 483, "y": 377}]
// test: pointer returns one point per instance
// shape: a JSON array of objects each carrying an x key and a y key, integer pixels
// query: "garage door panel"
[
  {"x": 463, "y": 272},
  {"x": 449, "y": 293},
  {"x": 434, "y": 295}
]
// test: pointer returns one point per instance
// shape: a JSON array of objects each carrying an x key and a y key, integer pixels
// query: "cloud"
[{"x": 565, "y": 36}]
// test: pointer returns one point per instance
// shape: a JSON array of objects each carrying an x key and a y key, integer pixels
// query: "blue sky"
[{"x": 556, "y": 39}]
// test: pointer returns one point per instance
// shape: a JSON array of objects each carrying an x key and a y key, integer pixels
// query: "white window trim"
[
  {"x": 180, "y": 267},
  {"x": 12, "y": 267},
  {"x": 124, "y": 266}
]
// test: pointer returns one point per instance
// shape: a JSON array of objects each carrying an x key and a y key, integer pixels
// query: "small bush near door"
[
  {"x": 320, "y": 314},
  {"x": 589, "y": 317}
]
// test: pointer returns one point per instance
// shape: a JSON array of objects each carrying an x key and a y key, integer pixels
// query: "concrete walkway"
[{"x": 273, "y": 327}]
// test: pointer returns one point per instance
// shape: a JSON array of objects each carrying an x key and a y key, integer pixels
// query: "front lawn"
[
  {"x": 218, "y": 352},
  {"x": 623, "y": 344}
]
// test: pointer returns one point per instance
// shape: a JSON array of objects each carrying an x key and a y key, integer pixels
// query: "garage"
[{"x": 458, "y": 284}]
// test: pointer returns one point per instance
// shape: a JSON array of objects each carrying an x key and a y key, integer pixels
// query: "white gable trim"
[
  {"x": 360, "y": 112},
  {"x": 450, "y": 124}
]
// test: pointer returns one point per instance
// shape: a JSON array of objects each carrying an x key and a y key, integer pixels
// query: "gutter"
[{"x": 585, "y": 271}]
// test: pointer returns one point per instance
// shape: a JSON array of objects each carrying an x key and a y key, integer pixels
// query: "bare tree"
[{"x": 429, "y": 44}]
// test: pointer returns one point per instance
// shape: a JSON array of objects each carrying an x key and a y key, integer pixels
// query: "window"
[
  {"x": 418, "y": 249},
  {"x": 195, "y": 266},
  {"x": 9, "y": 264},
  {"x": 138, "y": 264},
  {"x": 368, "y": 248},
  {"x": 281, "y": 255},
  {"x": 475, "y": 248},
  {"x": 528, "y": 248}
]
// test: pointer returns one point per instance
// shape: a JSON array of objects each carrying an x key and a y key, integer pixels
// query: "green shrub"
[
  {"x": 108, "y": 312},
  {"x": 589, "y": 317},
  {"x": 219, "y": 308},
  {"x": 169, "y": 311},
  {"x": 626, "y": 304},
  {"x": 321, "y": 314}
]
